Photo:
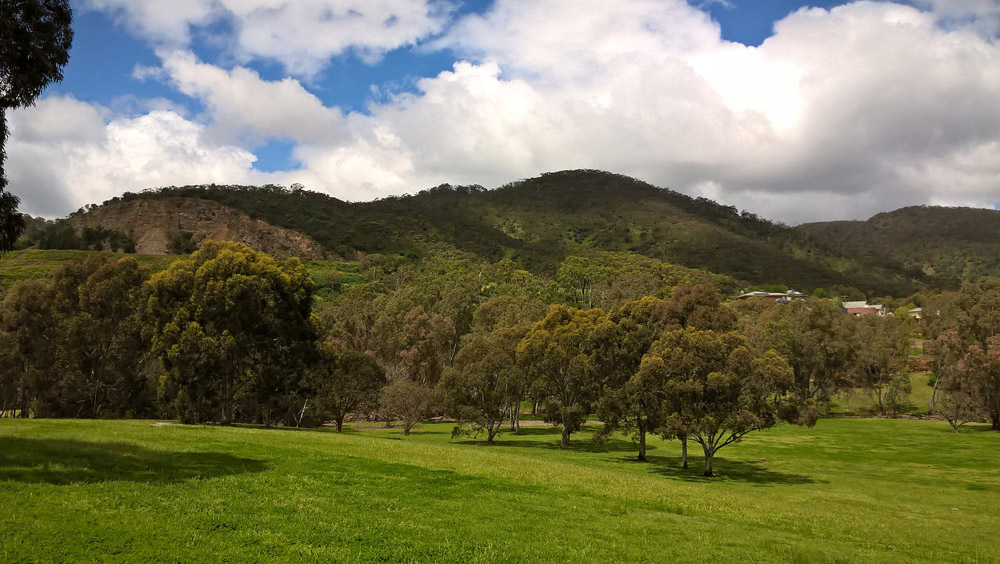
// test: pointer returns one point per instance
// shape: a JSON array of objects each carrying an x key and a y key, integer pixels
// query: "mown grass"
[{"x": 848, "y": 490}]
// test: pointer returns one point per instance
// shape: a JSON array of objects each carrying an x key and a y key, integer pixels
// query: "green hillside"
[
  {"x": 948, "y": 245},
  {"x": 540, "y": 221}
]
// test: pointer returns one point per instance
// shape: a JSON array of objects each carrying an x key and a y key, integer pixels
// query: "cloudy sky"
[{"x": 796, "y": 110}]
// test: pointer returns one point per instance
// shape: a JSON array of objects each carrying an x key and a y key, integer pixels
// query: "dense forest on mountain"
[
  {"x": 947, "y": 243},
  {"x": 538, "y": 222}
]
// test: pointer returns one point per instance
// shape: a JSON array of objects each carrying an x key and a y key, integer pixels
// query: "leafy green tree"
[
  {"x": 578, "y": 275},
  {"x": 626, "y": 403},
  {"x": 714, "y": 390},
  {"x": 975, "y": 319},
  {"x": 506, "y": 320},
  {"x": 560, "y": 351},
  {"x": 28, "y": 325},
  {"x": 699, "y": 306},
  {"x": 880, "y": 358},
  {"x": 815, "y": 337},
  {"x": 343, "y": 381},
  {"x": 35, "y": 39},
  {"x": 102, "y": 345},
  {"x": 229, "y": 323},
  {"x": 484, "y": 384}
]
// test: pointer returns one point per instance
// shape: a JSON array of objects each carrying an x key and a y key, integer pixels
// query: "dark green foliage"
[
  {"x": 541, "y": 221},
  {"x": 35, "y": 38},
  {"x": 233, "y": 331},
  {"x": 76, "y": 344},
  {"x": 946, "y": 246}
]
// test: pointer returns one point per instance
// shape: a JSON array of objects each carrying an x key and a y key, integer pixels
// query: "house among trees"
[
  {"x": 916, "y": 313},
  {"x": 859, "y": 309},
  {"x": 780, "y": 297}
]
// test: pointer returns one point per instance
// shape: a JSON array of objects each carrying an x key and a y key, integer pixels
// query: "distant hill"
[
  {"x": 946, "y": 244},
  {"x": 540, "y": 221},
  {"x": 171, "y": 225}
]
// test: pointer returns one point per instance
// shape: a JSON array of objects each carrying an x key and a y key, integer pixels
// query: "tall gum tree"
[
  {"x": 560, "y": 351},
  {"x": 226, "y": 321}
]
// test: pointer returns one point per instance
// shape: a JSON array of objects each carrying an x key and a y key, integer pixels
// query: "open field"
[
  {"x": 29, "y": 264},
  {"x": 848, "y": 490}
]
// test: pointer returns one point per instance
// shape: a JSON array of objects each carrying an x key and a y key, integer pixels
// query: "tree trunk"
[
  {"x": 684, "y": 452},
  {"x": 709, "y": 453},
  {"x": 995, "y": 419},
  {"x": 340, "y": 423},
  {"x": 642, "y": 440},
  {"x": 564, "y": 442}
]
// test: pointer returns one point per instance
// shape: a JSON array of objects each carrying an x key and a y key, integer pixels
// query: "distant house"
[
  {"x": 780, "y": 297},
  {"x": 859, "y": 309},
  {"x": 916, "y": 313}
]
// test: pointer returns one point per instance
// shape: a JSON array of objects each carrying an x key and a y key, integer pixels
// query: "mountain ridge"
[{"x": 539, "y": 221}]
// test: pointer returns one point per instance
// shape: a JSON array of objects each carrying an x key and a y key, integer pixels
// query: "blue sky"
[{"x": 795, "y": 110}]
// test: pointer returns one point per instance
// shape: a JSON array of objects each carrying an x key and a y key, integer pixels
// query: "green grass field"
[
  {"x": 848, "y": 490},
  {"x": 30, "y": 264}
]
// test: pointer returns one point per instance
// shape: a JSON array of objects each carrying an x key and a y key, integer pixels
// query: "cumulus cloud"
[
  {"x": 245, "y": 108},
  {"x": 301, "y": 35},
  {"x": 65, "y": 153},
  {"x": 841, "y": 113}
]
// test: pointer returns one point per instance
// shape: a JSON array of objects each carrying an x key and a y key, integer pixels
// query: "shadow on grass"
[
  {"x": 60, "y": 461},
  {"x": 579, "y": 442},
  {"x": 735, "y": 470}
]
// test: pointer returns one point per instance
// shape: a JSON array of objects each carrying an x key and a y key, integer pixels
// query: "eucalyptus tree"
[
  {"x": 342, "y": 381},
  {"x": 560, "y": 350},
  {"x": 714, "y": 390},
  {"x": 230, "y": 322},
  {"x": 35, "y": 39}
]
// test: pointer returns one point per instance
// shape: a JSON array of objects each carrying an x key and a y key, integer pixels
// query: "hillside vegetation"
[
  {"x": 540, "y": 221},
  {"x": 946, "y": 244}
]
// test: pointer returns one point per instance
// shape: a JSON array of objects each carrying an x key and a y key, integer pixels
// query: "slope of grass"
[
  {"x": 845, "y": 491},
  {"x": 330, "y": 276}
]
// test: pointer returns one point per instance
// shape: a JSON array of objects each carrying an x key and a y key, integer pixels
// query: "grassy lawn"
[{"x": 848, "y": 490}]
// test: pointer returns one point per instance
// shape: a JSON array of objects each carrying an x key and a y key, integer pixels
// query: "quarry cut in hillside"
[{"x": 153, "y": 224}]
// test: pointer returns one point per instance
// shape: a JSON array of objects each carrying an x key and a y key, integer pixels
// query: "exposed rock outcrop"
[{"x": 154, "y": 224}]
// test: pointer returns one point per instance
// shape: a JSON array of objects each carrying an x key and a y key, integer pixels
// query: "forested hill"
[
  {"x": 540, "y": 221},
  {"x": 947, "y": 243}
]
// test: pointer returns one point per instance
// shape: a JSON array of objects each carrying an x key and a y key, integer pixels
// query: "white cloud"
[
  {"x": 65, "y": 153},
  {"x": 301, "y": 35},
  {"x": 243, "y": 107},
  {"x": 841, "y": 113}
]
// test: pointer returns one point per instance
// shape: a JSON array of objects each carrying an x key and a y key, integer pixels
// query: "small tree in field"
[
  {"x": 407, "y": 401},
  {"x": 483, "y": 385},
  {"x": 342, "y": 381},
  {"x": 714, "y": 391}
]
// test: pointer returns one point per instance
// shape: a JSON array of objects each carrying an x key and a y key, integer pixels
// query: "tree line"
[{"x": 230, "y": 335}]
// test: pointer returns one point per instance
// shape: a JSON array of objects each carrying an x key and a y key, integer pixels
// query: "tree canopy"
[{"x": 35, "y": 39}]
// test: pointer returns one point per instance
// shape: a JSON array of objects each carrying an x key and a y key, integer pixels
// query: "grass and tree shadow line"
[
  {"x": 66, "y": 461},
  {"x": 664, "y": 465}
]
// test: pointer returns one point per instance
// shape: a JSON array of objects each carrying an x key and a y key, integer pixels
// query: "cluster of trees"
[
  {"x": 230, "y": 335},
  {"x": 965, "y": 332}
]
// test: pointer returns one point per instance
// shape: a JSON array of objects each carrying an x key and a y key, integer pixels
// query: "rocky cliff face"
[{"x": 153, "y": 224}]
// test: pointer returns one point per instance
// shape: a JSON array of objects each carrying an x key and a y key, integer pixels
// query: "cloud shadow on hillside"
[{"x": 64, "y": 461}]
